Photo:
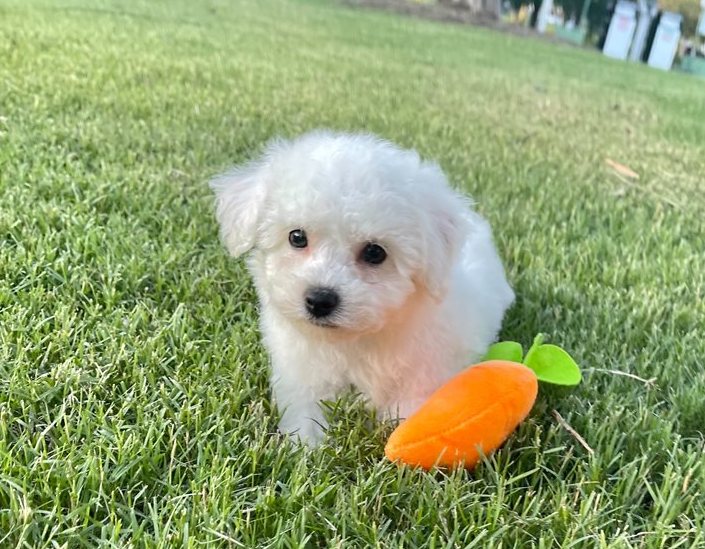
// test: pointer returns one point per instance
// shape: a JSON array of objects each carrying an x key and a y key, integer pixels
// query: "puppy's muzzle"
[{"x": 321, "y": 302}]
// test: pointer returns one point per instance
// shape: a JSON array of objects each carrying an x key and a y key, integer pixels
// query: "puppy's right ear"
[{"x": 239, "y": 198}]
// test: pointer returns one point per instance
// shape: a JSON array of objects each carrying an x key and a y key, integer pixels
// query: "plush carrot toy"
[{"x": 475, "y": 412}]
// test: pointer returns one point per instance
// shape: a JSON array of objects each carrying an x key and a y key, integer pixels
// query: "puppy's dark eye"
[
  {"x": 373, "y": 254},
  {"x": 297, "y": 238}
]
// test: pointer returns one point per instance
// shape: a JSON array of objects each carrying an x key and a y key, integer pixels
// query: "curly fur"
[{"x": 402, "y": 327}]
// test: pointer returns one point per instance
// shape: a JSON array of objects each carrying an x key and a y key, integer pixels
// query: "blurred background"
[{"x": 665, "y": 34}]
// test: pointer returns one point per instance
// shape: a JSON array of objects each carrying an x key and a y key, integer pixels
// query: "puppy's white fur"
[{"x": 403, "y": 327}]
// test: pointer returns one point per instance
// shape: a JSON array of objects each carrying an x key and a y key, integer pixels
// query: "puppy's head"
[{"x": 346, "y": 230}]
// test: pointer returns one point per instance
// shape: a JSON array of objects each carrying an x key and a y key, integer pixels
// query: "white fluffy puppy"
[{"x": 371, "y": 271}]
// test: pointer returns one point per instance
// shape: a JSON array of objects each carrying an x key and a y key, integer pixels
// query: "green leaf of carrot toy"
[
  {"x": 505, "y": 350},
  {"x": 552, "y": 364},
  {"x": 538, "y": 341}
]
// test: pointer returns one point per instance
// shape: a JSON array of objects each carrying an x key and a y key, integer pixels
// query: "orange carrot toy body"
[{"x": 470, "y": 416}]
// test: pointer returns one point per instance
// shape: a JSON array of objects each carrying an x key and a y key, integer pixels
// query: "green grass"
[{"x": 134, "y": 407}]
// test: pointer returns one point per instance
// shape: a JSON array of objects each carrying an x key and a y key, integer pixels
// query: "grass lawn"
[{"x": 134, "y": 406}]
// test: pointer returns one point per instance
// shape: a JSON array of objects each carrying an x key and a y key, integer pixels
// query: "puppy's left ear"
[
  {"x": 448, "y": 224},
  {"x": 239, "y": 195}
]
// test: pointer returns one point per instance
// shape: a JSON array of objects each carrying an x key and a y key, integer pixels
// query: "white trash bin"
[
  {"x": 665, "y": 44},
  {"x": 621, "y": 30}
]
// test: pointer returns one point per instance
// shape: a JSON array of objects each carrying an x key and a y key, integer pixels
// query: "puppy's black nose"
[{"x": 320, "y": 302}]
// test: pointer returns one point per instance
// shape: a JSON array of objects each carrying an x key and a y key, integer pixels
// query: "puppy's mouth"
[{"x": 323, "y": 322}]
